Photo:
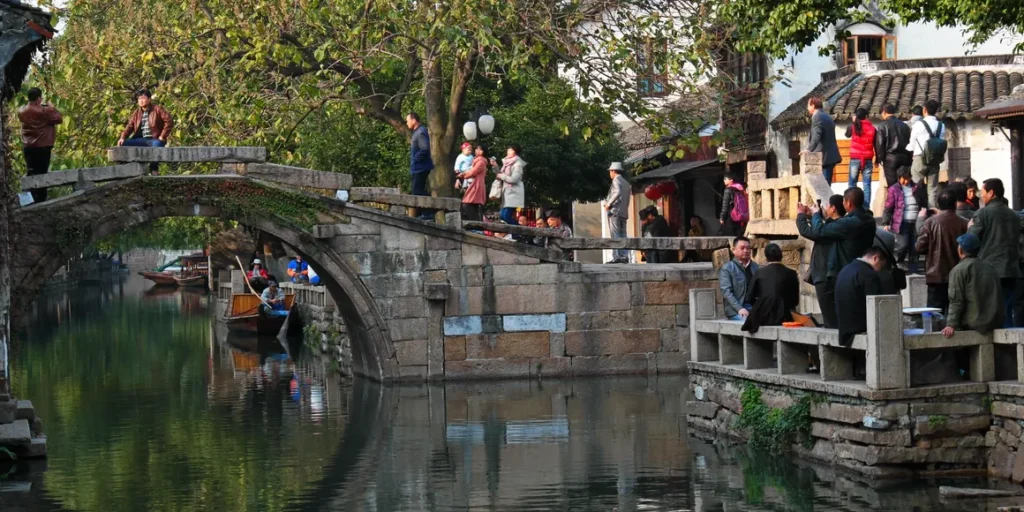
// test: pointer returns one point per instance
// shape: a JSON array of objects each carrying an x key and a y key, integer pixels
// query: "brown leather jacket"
[
  {"x": 39, "y": 125},
  {"x": 936, "y": 239},
  {"x": 160, "y": 123}
]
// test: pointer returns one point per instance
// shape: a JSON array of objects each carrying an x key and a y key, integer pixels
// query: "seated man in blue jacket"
[{"x": 735, "y": 277}]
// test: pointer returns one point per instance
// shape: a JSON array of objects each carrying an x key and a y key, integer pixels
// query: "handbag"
[{"x": 495, "y": 190}]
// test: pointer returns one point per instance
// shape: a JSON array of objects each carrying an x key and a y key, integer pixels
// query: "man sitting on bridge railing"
[
  {"x": 973, "y": 301},
  {"x": 149, "y": 126}
]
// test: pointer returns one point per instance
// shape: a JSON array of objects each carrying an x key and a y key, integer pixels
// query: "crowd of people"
[{"x": 972, "y": 260}]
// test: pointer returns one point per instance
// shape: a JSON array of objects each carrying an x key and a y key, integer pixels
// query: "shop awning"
[{"x": 671, "y": 170}]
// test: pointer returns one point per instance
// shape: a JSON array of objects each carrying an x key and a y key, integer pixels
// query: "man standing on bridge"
[
  {"x": 38, "y": 131},
  {"x": 149, "y": 126},
  {"x": 420, "y": 161}
]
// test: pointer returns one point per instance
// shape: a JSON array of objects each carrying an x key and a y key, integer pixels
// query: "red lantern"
[
  {"x": 652, "y": 192},
  {"x": 667, "y": 188}
]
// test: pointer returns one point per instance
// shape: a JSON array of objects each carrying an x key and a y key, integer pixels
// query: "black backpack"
[{"x": 934, "y": 150}]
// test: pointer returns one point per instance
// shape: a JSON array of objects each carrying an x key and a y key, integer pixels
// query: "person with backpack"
[
  {"x": 735, "y": 208},
  {"x": 862, "y": 150},
  {"x": 928, "y": 144}
]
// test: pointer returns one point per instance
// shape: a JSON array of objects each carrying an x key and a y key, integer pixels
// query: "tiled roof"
[
  {"x": 960, "y": 92},
  {"x": 796, "y": 114},
  {"x": 961, "y": 85},
  {"x": 1011, "y": 105}
]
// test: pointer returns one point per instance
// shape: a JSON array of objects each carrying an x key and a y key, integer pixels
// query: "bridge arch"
[{"x": 49, "y": 233}]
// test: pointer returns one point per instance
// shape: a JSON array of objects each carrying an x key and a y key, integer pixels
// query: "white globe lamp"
[
  {"x": 486, "y": 124},
  {"x": 469, "y": 130}
]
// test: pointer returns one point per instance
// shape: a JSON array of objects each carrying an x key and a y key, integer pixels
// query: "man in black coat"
[
  {"x": 655, "y": 226},
  {"x": 891, "y": 139},
  {"x": 855, "y": 283},
  {"x": 774, "y": 293}
]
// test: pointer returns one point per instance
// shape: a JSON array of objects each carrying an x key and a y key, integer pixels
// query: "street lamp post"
[{"x": 478, "y": 125}]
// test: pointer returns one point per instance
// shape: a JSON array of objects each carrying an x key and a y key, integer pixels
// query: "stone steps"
[{"x": 21, "y": 430}]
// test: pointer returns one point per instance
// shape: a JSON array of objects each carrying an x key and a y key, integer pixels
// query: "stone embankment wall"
[
  {"x": 323, "y": 328},
  {"x": 21, "y": 431},
  {"x": 506, "y": 318},
  {"x": 1006, "y": 438},
  {"x": 890, "y": 434}
]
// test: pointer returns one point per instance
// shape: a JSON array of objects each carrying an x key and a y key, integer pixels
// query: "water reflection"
[{"x": 150, "y": 405}]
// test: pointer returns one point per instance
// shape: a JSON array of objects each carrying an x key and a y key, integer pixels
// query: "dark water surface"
[{"x": 149, "y": 406}]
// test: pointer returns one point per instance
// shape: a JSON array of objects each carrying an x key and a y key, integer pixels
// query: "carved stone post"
[{"x": 885, "y": 357}]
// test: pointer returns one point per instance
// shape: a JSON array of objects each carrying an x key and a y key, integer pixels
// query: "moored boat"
[
  {"x": 159, "y": 278},
  {"x": 245, "y": 314},
  {"x": 196, "y": 280}
]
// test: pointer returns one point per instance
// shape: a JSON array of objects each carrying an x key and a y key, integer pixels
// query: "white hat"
[
  {"x": 616, "y": 166},
  {"x": 257, "y": 262}
]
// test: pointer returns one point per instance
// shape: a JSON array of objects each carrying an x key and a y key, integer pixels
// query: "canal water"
[{"x": 149, "y": 406}]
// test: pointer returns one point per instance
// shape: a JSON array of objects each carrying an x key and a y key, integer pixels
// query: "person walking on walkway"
[
  {"x": 149, "y": 125},
  {"x": 735, "y": 211},
  {"x": 998, "y": 228},
  {"x": 903, "y": 205},
  {"x": 818, "y": 274},
  {"x": 823, "y": 138},
  {"x": 616, "y": 206},
  {"x": 862, "y": 150},
  {"x": 420, "y": 161},
  {"x": 38, "y": 132},
  {"x": 891, "y": 139},
  {"x": 972, "y": 305},
  {"x": 928, "y": 127},
  {"x": 937, "y": 240},
  {"x": 513, "y": 195},
  {"x": 474, "y": 196},
  {"x": 734, "y": 277}
]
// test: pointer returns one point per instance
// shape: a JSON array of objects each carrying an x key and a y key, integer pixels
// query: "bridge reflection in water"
[{"x": 149, "y": 407}]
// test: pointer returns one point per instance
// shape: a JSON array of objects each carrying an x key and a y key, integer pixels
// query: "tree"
[
  {"x": 251, "y": 73},
  {"x": 773, "y": 27}
]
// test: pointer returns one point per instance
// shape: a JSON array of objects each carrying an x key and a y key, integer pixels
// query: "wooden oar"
[{"x": 248, "y": 284}]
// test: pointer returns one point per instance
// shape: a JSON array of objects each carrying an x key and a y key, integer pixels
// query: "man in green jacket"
[
  {"x": 972, "y": 305},
  {"x": 851, "y": 235},
  {"x": 998, "y": 228}
]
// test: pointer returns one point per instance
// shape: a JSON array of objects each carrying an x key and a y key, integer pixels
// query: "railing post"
[
  {"x": 885, "y": 357},
  {"x": 702, "y": 307},
  {"x": 810, "y": 163}
]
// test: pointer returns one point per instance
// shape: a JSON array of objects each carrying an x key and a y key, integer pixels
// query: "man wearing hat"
[
  {"x": 972, "y": 303},
  {"x": 272, "y": 297},
  {"x": 617, "y": 207}
]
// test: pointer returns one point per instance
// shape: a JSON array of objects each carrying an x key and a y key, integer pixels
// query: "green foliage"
[
  {"x": 936, "y": 421},
  {"x": 762, "y": 470},
  {"x": 773, "y": 27},
  {"x": 771, "y": 429},
  {"x": 176, "y": 233},
  {"x": 327, "y": 83},
  {"x": 986, "y": 403}
]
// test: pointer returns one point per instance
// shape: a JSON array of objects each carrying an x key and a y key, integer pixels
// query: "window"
[
  {"x": 958, "y": 163},
  {"x": 745, "y": 68},
  {"x": 877, "y": 48},
  {"x": 653, "y": 81}
]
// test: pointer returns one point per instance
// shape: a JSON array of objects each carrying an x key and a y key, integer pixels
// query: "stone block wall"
[
  {"x": 889, "y": 434},
  {"x": 1006, "y": 438},
  {"x": 462, "y": 309}
]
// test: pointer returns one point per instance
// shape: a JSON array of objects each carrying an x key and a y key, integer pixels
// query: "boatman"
[{"x": 272, "y": 297}]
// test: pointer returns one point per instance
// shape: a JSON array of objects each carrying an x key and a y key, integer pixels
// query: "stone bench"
[
  {"x": 886, "y": 348},
  {"x": 188, "y": 154}
]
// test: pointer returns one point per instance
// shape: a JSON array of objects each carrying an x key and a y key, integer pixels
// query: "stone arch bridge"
[{"x": 421, "y": 300}]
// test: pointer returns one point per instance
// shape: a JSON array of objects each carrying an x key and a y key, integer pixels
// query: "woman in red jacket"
[{"x": 862, "y": 151}]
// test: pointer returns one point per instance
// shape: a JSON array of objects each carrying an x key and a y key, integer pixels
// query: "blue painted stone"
[
  {"x": 552, "y": 323},
  {"x": 463, "y": 325}
]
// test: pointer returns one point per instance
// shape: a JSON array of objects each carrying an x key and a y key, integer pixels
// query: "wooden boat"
[
  {"x": 196, "y": 280},
  {"x": 159, "y": 278},
  {"x": 244, "y": 315}
]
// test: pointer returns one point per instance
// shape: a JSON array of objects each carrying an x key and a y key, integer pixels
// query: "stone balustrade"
[
  {"x": 886, "y": 349},
  {"x": 773, "y": 201}
]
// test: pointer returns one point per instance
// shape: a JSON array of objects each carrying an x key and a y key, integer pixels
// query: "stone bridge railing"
[
  {"x": 886, "y": 348},
  {"x": 773, "y": 201}
]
